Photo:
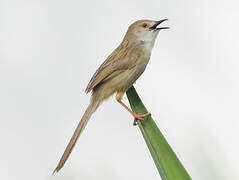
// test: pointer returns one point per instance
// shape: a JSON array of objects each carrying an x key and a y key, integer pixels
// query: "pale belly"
[
  {"x": 132, "y": 75},
  {"x": 124, "y": 80}
]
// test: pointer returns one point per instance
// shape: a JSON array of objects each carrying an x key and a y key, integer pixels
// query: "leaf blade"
[{"x": 166, "y": 161}]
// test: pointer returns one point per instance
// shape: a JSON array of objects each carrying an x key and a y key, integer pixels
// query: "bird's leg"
[{"x": 119, "y": 96}]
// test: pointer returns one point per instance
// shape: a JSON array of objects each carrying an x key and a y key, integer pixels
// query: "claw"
[{"x": 140, "y": 117}]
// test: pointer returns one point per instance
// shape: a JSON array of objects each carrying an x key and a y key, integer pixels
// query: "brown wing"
[{"x": 121, "y": 59}]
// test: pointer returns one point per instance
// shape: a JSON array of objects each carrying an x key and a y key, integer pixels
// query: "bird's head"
[{"x": 144, "y": 30}]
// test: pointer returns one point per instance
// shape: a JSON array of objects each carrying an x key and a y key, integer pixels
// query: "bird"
[{"x": 118, "y": 73}]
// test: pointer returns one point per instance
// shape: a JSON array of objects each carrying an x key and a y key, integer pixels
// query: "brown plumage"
[{"x": 118, "y": 73}]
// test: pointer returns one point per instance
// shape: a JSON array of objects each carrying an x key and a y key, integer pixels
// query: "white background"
[{"x": 50, "y": 49}]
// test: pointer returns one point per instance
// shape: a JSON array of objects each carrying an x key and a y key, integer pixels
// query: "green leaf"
[{"x": 166, "y": 161}]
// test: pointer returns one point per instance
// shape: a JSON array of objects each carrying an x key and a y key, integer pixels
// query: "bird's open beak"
[{"x": 154, "y": 27}]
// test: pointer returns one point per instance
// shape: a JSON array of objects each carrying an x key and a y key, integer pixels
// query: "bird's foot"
[{"x": 140, "y": 117}]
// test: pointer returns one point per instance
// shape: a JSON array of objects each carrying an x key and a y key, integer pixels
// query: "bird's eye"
[{"x": 144, "y": 25}]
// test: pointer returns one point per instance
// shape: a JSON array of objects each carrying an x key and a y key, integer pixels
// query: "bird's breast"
[{"x": 142, "y": 63}]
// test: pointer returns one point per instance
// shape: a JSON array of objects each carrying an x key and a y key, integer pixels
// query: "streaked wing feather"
[
  {"x": 121, "y": 59},
  {"x": 101, "y": 73}
]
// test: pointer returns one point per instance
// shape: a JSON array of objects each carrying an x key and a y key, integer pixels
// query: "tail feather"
[{"x": 85, "y": 118}]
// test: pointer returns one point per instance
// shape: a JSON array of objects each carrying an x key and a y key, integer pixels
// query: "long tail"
[{"x": 95, "y": 101}]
